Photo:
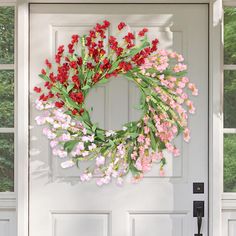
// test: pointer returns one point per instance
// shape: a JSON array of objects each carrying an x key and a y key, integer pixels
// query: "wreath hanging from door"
[{"x": 165, "y": 103}]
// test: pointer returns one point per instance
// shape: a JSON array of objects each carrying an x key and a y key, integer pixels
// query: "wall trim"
[{"x": 215, "y": 106}]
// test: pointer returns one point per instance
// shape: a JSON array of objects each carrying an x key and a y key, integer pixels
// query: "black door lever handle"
[
  {"x": 199, "y": 221},
  {"x": 198, "y": 212}
]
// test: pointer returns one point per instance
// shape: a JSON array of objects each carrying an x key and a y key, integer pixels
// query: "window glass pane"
[
  {"x": 230, "y": 162},
  {"x": 230, "y": 35},
  {"x": 7, "y": 35},
  {"x": 230, "y": 99},
  {"x": 6, "y": 162},
  {"x": 6, "y": 98}
]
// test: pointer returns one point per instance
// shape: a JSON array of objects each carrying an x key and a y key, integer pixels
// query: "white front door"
[{"x": 59, "y": 204}]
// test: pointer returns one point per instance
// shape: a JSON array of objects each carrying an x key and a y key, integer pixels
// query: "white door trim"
[{"x": 215, "y": 107}]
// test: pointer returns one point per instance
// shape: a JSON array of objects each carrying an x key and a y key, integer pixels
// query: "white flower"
[
  {"x": 85, "y": 153},
  {"x": 59, "y": 152},
  {"x": 86, "y": 176},
  {"x": 53, "y": 143},
  {"x": 64, "y": 137},
  {"x": 67, "y": 164},
  {"x": 49, "y": 133},
  {"x": 100, "y": 160},
  {"x": 80, "y": 146},
  {"x": 85, "y": 138},
  {"x": 110, "y": 133},
  {"x": 124, "y": 128},
  {"x": 40, "y": 120},
  {"x": 119, "y": 181},
  {"x": 92, "y": 146}
]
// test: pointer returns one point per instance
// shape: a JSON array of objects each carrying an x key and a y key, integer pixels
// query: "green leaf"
[
  {"x": 114, "y": 66},
  {"x": 55, "y": 90},
  {"x": 44, "y": 77},
  {"x": 94, "y": 127},
  {"x": 134, "y": 135},
  {"x": 102, "y": 81},
  {"x": 71, "y": 86},
  {"x": 153, "y": 141},
  {"x": 150, "y": 125},
  {"x": 86, "y": 87},
  {"x": 136, "y": 50},
  {"x": 68, "y": 146},
  {"x": 134, "y": 170},
  {"x": 86, "y": 117},
  {"x": 100, "y": 134},
  {"x": 111, "y": 143}
]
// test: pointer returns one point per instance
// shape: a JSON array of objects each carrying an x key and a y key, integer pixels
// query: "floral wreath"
[{"x": 160, "y": 76}]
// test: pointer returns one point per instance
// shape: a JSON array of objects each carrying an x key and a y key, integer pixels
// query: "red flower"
[
  {"x": 126, "y": 66},
  {"x": 154, "y": 45},
  {"x": 101, "y": 52},
  {"x": 96, "y": 78},
  {"x": 121, "y": 25},
  {"x": 59, "y": 104},
  {"x": 70, "y": 47},
  {"x": 48, "y": 85},
  {"x": 106, "y": 24},
  {"x": 81, "y": 111},
  {"x": 43, "y": 72},
  {"x": 129, "y": 37},
  {"x": 92, "y": 34},
  {"x": 77, "y": 97},
  {"x": 74, "y": 112},
  {"x": 43, "y": 97},
  {"x": 75, "y": 79},
  {"x": 80, "y": 61},
  {"x": 90, "y": 66},
  {"x": 50, "y": 94},
  {"x": 106, "y": 64},
  {"x": 119, "y": 51},
  {"x": 142, "y": 32},
  {"x": 73, "y": 64},
  {"x": 80, "y": 97},
  {"x": 100, "y": 44},
  {"x": 37, "y": 89},
  {"x": 48, "y": 64},
  {"x": 60, "y": 49},
  {"x": 75, "y": 38}
]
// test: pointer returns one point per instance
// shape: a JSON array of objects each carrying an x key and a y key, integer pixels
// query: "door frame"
[{"x": 215, "y": 105}]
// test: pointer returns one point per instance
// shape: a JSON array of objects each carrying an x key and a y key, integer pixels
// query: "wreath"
[{"x": 161, "y": 78}]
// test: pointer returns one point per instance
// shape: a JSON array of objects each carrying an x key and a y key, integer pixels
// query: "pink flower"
[
  {"x": 141, "y": 138},
  {"x": 146, "y": 129},
  {"x": 193, "y": 88},
  {"x": 176, "y": 152},
  {"x": 162, "y": 172},
  {"x": 185, "y": 79},
  {"x": 179, "y": 67},
  {"x": 186, "y": 135}
]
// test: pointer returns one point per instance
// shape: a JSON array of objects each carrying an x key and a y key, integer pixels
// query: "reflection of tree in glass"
[
  {"x": 7, "y": 35},
  {"x": 229, "y": 35},
  {"x": 230, "y": 163},
  {"x": 6, "y": 98},
  {"x": 230, "y": 98},
  {"x": 6, "y": 162}
]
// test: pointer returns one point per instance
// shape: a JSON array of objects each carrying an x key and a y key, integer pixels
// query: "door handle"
[
  {"x": 199, "y": 221},
  {"x": 198, "y": 212}
]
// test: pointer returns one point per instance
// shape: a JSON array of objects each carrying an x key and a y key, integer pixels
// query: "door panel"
[{"x": 59, "y": 203}]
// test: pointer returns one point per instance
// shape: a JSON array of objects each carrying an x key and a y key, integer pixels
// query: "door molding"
[{"x": 215, "y": 105}]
